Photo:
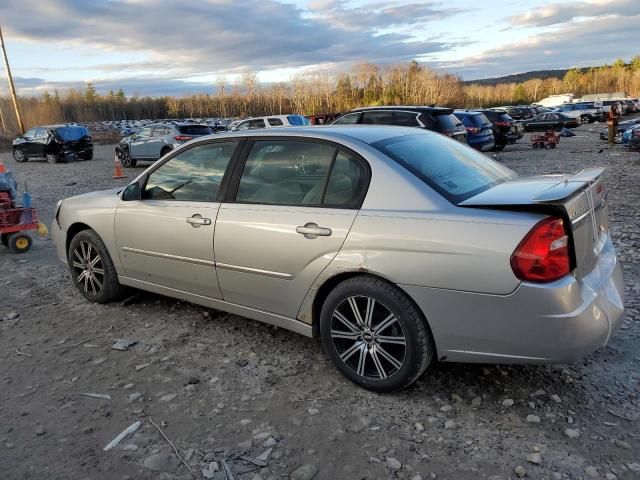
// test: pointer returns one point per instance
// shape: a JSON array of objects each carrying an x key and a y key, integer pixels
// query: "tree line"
[{"x": 317, "y": 93}]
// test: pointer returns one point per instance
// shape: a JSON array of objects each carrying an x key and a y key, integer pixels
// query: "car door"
[
  {"x": 166, "y": 237},
  {"x": 156, "y": 141},
  {"x": 288, "y": 213},
  {"x": 138, "y": 144},
  {"x": 27, "y": 143}
]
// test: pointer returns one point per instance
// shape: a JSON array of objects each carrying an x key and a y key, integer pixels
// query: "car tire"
[
  {"x": 126, "y": 160},
  {"x": 19, "y": 156},
  {"x": 386, "y": 345},
  {"x": 584, "y": 119},
  {"x": 92, "y": 269},
  {"x": 618, "y": 138},
  {"x": 19, "y": 242},
  {"x": 89, "y": 156},
  {"x": 51, "y": 158},
  {"x": 164, "y": 151}
]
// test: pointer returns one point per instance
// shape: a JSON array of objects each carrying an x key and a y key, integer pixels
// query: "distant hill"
[{"x": 521, "y": 77}]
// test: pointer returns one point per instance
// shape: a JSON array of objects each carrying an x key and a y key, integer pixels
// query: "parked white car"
[{"x": 273, "y": 121}]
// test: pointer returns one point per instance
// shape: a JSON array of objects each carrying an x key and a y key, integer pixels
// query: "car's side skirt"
[{"x": 271, "y": 318}]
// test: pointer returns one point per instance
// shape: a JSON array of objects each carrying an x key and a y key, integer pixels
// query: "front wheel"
[
  {"x": 88, "y": 156},
  {"x": 92, "y": 268},
  {"x": 374, "y": 334},
  {"x": 51, "y": 158},
  {"x": 584, "y": 119},
  {"x": 125, "y": 159},
  {"x": 18, "y": 155}
]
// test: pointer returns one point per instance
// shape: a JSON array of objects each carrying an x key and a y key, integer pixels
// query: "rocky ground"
[{"x": 265, "y": 403}]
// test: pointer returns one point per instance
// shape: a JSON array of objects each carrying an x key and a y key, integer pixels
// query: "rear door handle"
[
  {"x": 196, "y": 220},
  {"x": 312, "y": 230}
]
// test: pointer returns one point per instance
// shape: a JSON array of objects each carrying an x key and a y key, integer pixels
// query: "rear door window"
[
  {"x": 447, "y": 122},
  {"x": 257, "y": 123},
  {"x": 379, "y": 117},
  {"x": 71, "y": 134},
  {"x": 194, "y": 129},
  {"x": 275, "y": 122},
  {"x": 158, "y": 131},
  {"x": 406, "y": 119}
]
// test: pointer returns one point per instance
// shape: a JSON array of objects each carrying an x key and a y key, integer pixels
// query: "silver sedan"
[{"x": 398, "y": 247}]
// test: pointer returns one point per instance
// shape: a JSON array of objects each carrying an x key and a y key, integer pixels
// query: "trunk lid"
[{"x": 579, "y": 198}]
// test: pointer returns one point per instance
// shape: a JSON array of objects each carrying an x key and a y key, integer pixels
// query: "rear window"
[
  {"x": 194, "y": 129},
  {"x": 475, "y": 120},
  {"x": 447, "y": 122},
  {"x": 71, "y": 134},
  {"x": 454, "y": 170},
  {"x": 298, "y": 120}
]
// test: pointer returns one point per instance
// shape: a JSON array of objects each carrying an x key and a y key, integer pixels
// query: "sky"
[{"x": 178, "y": 47}]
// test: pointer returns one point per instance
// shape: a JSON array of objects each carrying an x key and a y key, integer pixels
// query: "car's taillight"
[
  {"x": 473, "y": 129},
  {"x": 543, "y": 254},
  {"x": 183, "y": 138},
  {"x": 503, "y": 124}
]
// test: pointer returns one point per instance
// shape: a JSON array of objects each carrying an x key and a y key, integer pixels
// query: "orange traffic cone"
[{"x": 117, "y": 172}]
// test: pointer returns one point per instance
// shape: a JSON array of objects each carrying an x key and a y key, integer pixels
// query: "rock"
[
  {"x": 245, "y": 421},
  {"x": 11, "y": 316},
  {"x": 534, "y": 458},
  {"x": 591, "y": 472},
  {"x": 134, "y": 397},
  {"x": 160, "y": 462},
  {"x": 190, "y": 388},
  {"x": 130, "y": 447},
  {"x": 192, "y": 381},
  {"x": 556, "y": 398},
  {"x": 40, "y": 430},
  {"x": 621, "y": 444},
  {"x": 571, "y": 432},
  {"x": 393, "y": 464},
  {"x": 416, "y": 477},
  {"x": 358, "y": 425},
  {"x": 508, "y": 402},
  {"x": 270, "y": 442},
  {"x": 610, "y": 476},
  {"x": 210, "y": 470},
  {"x": 476, "y": 402},
  {"x": 533, "y": 419},
  {"x": 634, "y": 467},
  {"x": 445, "y": 408},
  {"x": 305, "y": 472},
  {"x": 419, "y": 427},
  {"x": 313, "y": 411},
  {"x": 520, "y": 471},
  {"x": 140, "y": 367},
  {"x": 168, "y": 397},
  {"x": 450, "y": 425},
  {"x": 556, "y": 475},
  {"x": 129, "y": 386}
]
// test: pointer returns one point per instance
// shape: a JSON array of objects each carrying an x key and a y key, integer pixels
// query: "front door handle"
[
  {"x": 196, "y": 220},
  {"x": 312, "y": 230}
]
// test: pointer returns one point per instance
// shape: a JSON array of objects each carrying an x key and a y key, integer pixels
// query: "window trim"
[
  {"x": 234, "y": 182},
  {"x": 224, "y": 183}
]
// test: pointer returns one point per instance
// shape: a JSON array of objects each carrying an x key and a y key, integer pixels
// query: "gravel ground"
[{"x": 215, "y": 383}]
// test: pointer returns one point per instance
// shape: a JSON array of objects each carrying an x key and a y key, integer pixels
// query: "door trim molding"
[
  {"x": 168, "y": 256},
  {"x": 281, "y": 321},
  {"x": 254, "y": 271}
]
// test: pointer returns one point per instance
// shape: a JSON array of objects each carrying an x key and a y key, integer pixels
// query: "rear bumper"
[
  {"x": 482, "y": 144},
  {"x": 538, "y": 323}
]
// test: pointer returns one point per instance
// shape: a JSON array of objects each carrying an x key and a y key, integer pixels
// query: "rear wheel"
[
  {"x": 92, "y": 269},
  {"x": 19, "y": 242},
  {"x": 374, "y": 334},
  {"x": 88, "y": 156},
  {"x": 18, "y": 155},
  {"x": 618, "y": 137}
]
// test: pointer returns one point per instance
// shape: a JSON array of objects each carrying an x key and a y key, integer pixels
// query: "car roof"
[
  {"x": 415, "y": 108},
  {"x": 60, "y": 125},
  {"x": 364, "y": 133}
]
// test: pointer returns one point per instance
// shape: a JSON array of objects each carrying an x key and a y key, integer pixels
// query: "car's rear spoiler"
[{"x": 544, "y": 189}]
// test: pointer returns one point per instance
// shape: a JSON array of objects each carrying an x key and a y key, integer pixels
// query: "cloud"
[
  {"x": 591, "y": 42},
  {"x": 219, "y": 36},
  {"x": 558, "y": 13}
]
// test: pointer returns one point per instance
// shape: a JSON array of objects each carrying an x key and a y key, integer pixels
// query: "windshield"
[
  {"x": 71, "y": 134},
  {"x": 194, "y": 129},
  {"x": 454, "y": 170},
  {"x": 298, "y": 120}
]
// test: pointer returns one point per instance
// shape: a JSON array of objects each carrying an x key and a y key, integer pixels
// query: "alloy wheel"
[
  {"x": 368, "y": 337},
  {"x": 88, "y": 268},
  {"x": 18, "y": 155},
  {"x": 125, "y": 158},
  {"x": 51, "y": 158}
]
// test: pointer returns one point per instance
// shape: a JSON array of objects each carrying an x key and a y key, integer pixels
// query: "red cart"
[
  {"x": 549, "y": 140},
  {"x": 14, "y": 223}
]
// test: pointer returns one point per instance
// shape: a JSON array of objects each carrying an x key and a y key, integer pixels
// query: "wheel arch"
[
  {"x": 333, "y": 281},
  {"x": 72, "y": 231}
]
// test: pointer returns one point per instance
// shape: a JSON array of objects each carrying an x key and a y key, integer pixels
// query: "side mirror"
[{"x": 132, "y": 192}]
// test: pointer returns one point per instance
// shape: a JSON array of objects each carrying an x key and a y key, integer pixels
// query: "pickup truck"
[{"x": 584, "y": 112}]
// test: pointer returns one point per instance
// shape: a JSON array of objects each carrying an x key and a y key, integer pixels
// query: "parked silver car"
[
  {"x": 154, "y": 141},
  {"x": 397, "y": 246}
]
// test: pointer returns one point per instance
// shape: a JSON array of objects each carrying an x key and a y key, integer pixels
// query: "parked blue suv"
[{"x": 479, "y": 129}]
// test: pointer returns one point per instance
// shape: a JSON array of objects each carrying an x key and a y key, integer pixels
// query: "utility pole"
[
  {"x": 12, "y": 88},
  {"x": 4, "y": 127}
]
